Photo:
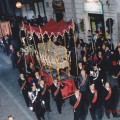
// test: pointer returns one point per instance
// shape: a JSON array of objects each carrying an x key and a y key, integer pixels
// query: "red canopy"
[
  {"x": 52, "y": 27},
  {"x": 50, "y": 23}
]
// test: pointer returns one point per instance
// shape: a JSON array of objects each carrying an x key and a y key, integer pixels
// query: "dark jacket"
[
  {"x": 58, "y": 97},
  {"x": 98, "y": 101},
  {"x": 73, "y": 100}
]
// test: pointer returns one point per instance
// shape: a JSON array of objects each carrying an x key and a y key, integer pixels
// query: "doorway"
[{"x": 97, "y": 23}]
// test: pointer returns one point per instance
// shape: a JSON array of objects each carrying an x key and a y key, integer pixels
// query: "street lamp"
[{"x": 18, "y": 5}]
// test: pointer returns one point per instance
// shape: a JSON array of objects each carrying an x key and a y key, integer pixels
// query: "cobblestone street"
[{"x": 12, "y": 102}]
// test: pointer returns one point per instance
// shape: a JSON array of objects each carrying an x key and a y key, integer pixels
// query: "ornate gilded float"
[{"x": 53, "y": 56}]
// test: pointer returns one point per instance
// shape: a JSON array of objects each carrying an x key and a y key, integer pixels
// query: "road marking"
[{"x": 15, "y": 101}]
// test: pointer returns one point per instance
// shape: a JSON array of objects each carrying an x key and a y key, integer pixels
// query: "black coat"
[
  {"x": 112, "y": 102},
  {"x": 22, "y": 33},
  {"x": 46, "y": 94},
  {"x": 21, "y": 82},
  {"x": 36, "y": 81},
  {"x": 73, "y": 100},
  {"x": 98, "y": 102},
  {"x": 58, "y": 97}
]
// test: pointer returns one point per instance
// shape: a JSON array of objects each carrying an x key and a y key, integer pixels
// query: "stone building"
[{"x": 88, "y": 14}]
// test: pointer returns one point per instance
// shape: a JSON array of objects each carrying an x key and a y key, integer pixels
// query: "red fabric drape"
[
  {"x": 52, "y": 27},
  {"x": 29, "y": 59},
  {"x": 69, "y": 88},
  {"x": 48, "y": 78},
  {"x": 49, "y": 24},
  {"x": 95, "y": 58}
]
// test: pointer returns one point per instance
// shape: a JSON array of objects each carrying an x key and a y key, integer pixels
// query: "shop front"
[
  {"x": 97, "y": 23},
  {"x": 95, "y": 20}
]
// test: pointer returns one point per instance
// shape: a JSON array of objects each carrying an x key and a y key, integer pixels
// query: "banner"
[
  {"x": 0, "y": 32},
  {"x": 5, "y": 28},
  {"x": 69, "y": 88}
]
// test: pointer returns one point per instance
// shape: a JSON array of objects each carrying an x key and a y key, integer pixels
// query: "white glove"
[
  {"x": 43, "y": 102},
  {"x": 31, "y": 108},
  {"x": 91, "y": 73}
]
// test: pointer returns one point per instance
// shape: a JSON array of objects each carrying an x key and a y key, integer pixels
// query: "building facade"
[
  {"x": 90, "y": 15},
  {"x": 87, "y": 14}
]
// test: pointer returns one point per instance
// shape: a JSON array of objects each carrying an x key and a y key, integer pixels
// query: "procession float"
[{"x": 53, "y": 59}]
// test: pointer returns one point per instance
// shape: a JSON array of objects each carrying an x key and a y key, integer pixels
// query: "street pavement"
[{"x": 12, "y": 102}]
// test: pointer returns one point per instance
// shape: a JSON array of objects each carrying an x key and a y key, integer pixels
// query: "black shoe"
[
  {"x": 60, "y": 112},
  {"x": 114, "y": 116},
  {"x": 117, "y": 115},
  {"x": 108, "y": 116}
]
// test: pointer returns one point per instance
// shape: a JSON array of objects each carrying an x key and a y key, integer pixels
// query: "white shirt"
[
  {"x": 41, "y": 86},
  {"x": 108, "y": 89},
  {"x": 76, "y": 96},
  {"x": 93, "y": 92},
  {"x": 56, "y": 85},
  {"x": 23, "y": 79}
]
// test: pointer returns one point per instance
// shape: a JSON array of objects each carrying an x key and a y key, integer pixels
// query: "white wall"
[{"x": 118, "y": 4}]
